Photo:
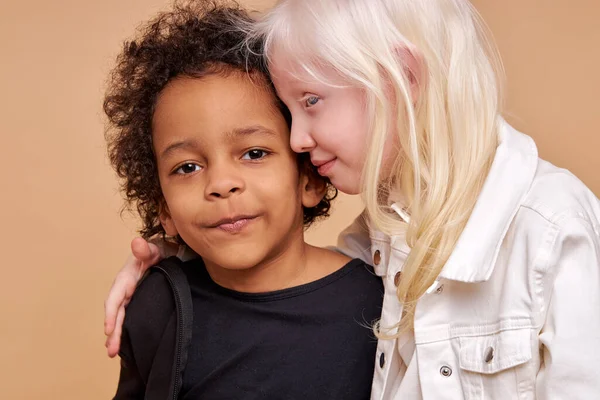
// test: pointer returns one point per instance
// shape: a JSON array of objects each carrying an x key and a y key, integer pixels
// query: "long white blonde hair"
[{"x": 447, "y": 132}]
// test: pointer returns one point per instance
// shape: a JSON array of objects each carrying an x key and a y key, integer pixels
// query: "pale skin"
[{"x": 328, "y": 122}]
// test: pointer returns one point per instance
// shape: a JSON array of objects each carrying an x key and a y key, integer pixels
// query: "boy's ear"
[
  {"x": 313, "y": 189},
  {"x": 167, "y": 221}
]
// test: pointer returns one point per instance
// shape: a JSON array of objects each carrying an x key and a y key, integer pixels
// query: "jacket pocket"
[{"x": 491, "y": 365}]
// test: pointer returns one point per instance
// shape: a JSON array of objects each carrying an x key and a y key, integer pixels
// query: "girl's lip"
[{"x": 324, "y": 168}]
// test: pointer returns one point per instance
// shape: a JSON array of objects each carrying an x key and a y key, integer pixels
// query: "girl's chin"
[{"x": 347, "y": 187}]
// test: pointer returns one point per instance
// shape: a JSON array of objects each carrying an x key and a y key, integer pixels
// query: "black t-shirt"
[{"x": 312, "y": 341}]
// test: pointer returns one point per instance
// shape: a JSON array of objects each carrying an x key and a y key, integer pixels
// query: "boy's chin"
[{"x": 240, "y": 260}]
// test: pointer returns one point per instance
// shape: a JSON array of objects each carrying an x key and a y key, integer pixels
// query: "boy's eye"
[
  {"x": 255, "y": 154},
  {"x": 187, "y": 168},
  {"x": 311, "y": 101}
]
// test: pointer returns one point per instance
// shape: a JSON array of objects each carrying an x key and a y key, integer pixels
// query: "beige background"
[{"x": 63, "y": 240}]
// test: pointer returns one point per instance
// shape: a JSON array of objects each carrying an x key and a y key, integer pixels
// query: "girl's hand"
[{"x": 143, "y": 256}]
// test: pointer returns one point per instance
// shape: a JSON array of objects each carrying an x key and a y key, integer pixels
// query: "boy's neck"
[{"x": 296, "y": 263}]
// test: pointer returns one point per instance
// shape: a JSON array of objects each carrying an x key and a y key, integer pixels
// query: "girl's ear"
[
  {"x": 167, "y": 221},
  {"x": 313, "y": 188},
  {"x": 414, "y": 68}
]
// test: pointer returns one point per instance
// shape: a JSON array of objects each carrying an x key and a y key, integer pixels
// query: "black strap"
[{"x": 171, "y": 268}]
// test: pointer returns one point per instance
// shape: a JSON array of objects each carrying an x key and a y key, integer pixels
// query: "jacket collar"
[{"x": 504, "y": 190}]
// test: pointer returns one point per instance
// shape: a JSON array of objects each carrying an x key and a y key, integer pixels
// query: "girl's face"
[{"x": 329, "y": 123}]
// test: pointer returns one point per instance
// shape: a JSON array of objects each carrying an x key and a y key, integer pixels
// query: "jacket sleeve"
[
  {"x": 354, "y": 241},
  {"x": 131, "y": 385},
  {"x": 570, "y": 336}
]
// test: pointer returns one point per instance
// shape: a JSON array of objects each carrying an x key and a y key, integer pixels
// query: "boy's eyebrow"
[
  {"x": 182, "y": 144},
  {"x": 232, "y": 135},
  {"x": 249, "y": 130}
]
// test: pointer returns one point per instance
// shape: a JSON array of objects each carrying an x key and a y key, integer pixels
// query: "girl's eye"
[
  {"x": 187, "y": 168},
  {"x": 255, "y": 154},
  {"x": 311, "y": 101}
]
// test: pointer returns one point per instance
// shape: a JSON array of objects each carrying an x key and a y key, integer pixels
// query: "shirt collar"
[{"x": 505, "y": 187}]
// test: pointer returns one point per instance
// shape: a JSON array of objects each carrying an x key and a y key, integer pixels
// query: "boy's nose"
[
  {"x": 224, "y": 193},
  {"x": 224, "y": 184}
]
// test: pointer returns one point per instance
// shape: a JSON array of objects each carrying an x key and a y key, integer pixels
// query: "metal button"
[
  {"x": 397, "y": 278},
  {"x": 377, "y": 257},
  {"x": 433, "y": 288},
  {"x": 382, "y": 360},
  {"x": 489, "y": 355},
  {"x": 446, "y": 371}
]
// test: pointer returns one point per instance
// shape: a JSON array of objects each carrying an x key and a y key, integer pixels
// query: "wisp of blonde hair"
[{"x": 447, "y": 129}]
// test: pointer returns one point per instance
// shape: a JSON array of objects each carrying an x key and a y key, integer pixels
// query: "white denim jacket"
[{"x": 515, "y": 313}]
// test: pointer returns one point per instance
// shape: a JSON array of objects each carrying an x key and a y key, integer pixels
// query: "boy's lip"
[{"x": 232, "y": 220}]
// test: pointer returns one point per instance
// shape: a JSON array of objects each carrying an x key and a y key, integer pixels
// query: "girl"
[{"x": 490, "y": 257}]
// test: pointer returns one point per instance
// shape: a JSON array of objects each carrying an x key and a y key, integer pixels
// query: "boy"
[{"x": 202, "y": 144}]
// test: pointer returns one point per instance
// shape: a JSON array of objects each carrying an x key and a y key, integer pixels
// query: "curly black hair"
[{"x": 195, "y": 39}]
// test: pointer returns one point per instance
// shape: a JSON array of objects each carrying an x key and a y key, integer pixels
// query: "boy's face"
[{"x": 230, "y": 180}]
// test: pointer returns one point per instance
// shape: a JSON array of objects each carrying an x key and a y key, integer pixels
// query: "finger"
[
  {"x": 141, "y": 250},
  {"x": 155, "y": 253},
  {"x": 115, "y": 300},
  {"x": 145, "y": 254},
  {"x": 113, "y": 343}
]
